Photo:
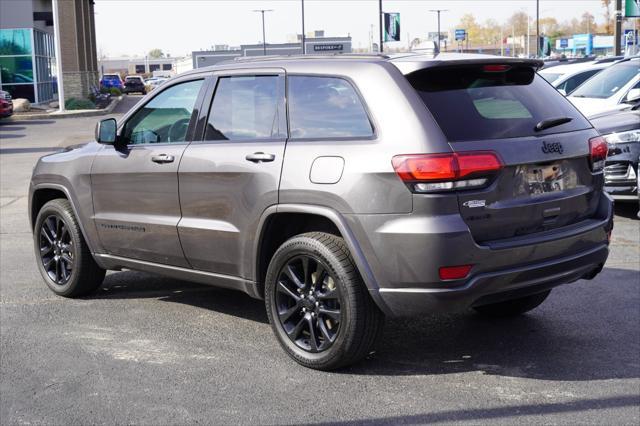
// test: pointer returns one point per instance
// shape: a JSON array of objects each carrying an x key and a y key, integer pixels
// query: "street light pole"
[
  {"x": 438, "y": 12},
  {"x": 304, "y": 47},
  {"x": 537, "y": 28},
  {"x": 381, "y": 21},
  {"x": 264, "y": 40}
]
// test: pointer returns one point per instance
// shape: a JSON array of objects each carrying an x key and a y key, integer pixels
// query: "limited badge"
[{"x": 474, "y": 203}]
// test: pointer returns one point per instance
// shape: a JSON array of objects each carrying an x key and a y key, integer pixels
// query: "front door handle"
[
  {"x": 260, "y": 157},
  {"x": 162, "y": 158}
]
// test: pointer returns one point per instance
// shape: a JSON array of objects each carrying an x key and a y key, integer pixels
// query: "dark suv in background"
[{"x": 339, "y": 190}]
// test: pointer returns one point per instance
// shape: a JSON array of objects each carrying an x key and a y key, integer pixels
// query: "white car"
[
  {"x": 566, "y": 78},
  {"x": 612, "y": 89}
]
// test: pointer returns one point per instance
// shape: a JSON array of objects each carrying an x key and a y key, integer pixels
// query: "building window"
[
  {"x": 15, "y": 42},
  {"x": 139, "y": 69},
  {"x": 154, "y": 67},
  {"x": 166, "y": 67},
  {"x": 16, "y": 69}
]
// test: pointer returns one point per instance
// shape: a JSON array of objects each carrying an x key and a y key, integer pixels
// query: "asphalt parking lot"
[{"x": 152, "y": 350}]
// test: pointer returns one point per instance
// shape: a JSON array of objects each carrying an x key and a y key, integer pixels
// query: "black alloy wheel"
[
  {"x": 308, "y": 303},
  {"x": 64, "y": 259},
  {"x": 56, "y": 249}
]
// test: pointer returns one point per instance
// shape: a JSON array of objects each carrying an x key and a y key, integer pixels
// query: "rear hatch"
[
  {"x": 545, "y": 181},
  {"x": 133, "y": 82}
]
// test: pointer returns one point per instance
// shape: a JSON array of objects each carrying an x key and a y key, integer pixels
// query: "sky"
[{"x": 178, "y": 27}]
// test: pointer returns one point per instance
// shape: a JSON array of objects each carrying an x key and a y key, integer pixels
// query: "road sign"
[
  {"x": 461, "y": 35},
  {"x": 391, "y": 27},
  {"x": 632, "y": 8},
  {"x": 630, "y": 37}
]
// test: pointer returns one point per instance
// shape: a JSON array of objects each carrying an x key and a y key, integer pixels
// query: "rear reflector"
[
  {"x": 454, "y": 272},
  {"x": 445, "y": 172},
  {"x": 598, "y": 150}
]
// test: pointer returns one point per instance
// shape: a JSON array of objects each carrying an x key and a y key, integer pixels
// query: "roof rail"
[{"x": 300, "y": 56}]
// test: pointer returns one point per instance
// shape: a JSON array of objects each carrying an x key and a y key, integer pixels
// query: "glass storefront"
[{"x": 27, "y": 64}]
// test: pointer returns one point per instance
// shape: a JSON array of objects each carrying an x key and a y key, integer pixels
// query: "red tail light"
[
  {"x": 454, "y": 272},
  {"x": 496, "y": 68},
  {"x": 598, "y": 150},
  {"x": 445, "y": 172}
]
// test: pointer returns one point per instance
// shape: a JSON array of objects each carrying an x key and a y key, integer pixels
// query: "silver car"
[{"x": 338, "y": 189}]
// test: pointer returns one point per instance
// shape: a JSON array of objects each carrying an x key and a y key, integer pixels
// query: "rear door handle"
[
  {"x": 162, "y": 158},
  {"x": 260, "y": 157}
]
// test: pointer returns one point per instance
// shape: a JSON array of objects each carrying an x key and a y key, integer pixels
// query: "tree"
[
  {"x": 518, "y": 23},
  {"x": 588, "y": 23},
  {"x": 155, "y": 54},
  {"x": 607, "y": 26}
]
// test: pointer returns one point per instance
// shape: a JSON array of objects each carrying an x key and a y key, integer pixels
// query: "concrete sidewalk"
[{"x": 20, "y": 116}]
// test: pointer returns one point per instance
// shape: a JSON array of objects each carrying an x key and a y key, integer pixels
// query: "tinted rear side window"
[
  {"x": 246, "y": 108},
  {"x": 326, "y": 107},
  {"x": 470, "y": 103}
]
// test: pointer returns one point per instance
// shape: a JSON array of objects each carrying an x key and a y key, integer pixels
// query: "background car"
[
  {"x": 134, "y": 84},
  {"x": 111, "y": 80},
  {"x": 615, "y": 88},
  {"x": 6, "y": 104},
  {"x": 621, "y": 130},
  {"x": 154, "y": 82},
  {"x": 566, "y": 78}
]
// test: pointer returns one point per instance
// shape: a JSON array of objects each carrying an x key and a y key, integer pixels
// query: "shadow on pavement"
[
  {"x": 484, "y": 415},
  {"x": 29, "y": 150},
  {"x": 11, "y": 136},
  {"x": 627, "y": 209},
  {"x": 586, "y": 333},
  {"x": 25, "y": 122},
  {"x": 6, "y": 128}
]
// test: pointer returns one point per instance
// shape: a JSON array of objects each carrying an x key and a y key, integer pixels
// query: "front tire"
[
  {"x": 511, "y": 308},
  {"x": 64, "y": 259},
  {"x": 317, "y": 304}
]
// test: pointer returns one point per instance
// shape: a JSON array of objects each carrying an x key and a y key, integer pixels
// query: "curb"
[{"x": 67, "y": 114}]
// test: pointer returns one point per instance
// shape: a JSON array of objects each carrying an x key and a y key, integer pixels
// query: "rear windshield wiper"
[{"x": 552, "y": 122}]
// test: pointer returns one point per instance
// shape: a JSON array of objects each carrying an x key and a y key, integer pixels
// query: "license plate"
[{"x": 543, "y": 179}]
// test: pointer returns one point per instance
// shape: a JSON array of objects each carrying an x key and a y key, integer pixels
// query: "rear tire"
[
  {"x": 318, "y": 306},
  {"x": 63, "y": 257},
  {"x": 513, "y": 307}
]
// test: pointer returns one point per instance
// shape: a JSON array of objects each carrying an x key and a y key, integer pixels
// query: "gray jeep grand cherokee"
[{"x": 339, "y": 190}]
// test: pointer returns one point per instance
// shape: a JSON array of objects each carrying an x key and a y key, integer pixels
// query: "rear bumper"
[
  {"x": 404, "y": 253},
  {"x": 495, "y": 286}
]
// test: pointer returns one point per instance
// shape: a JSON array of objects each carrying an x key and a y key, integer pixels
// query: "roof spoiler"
[{"x": 408, "y": 66}]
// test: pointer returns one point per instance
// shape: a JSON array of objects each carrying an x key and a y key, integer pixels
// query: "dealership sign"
[
  {"x": 391, "y": 27},
  {"x": 327, "y": 47}
]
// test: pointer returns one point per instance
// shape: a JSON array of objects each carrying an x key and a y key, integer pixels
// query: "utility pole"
[
  {"x": 264, "y": 40},
  {"x": 381, "y": 19},
  {"x": 304, "y": 47},
  {"x": 537, "y": 28},
  {"x": 56, "y": 30},
  {"x": 438, "y": 12},
  {"x": 617, "y": 33}
]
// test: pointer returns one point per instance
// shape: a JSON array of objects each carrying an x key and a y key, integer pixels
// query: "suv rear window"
[{"x": 471, "y": 103}]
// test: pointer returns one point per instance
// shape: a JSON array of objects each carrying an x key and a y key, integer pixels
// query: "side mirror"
[
  {"x": 633, "y": 95},
  {"x": 106, "y": 131},
  {"x": 562, "y": 92}
]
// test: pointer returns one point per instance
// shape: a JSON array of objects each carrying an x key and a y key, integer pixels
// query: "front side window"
[
  {"x": 326, "y": 107},
  {"x": 166, "y": 117},
  {"x": 247, "y": 108}
]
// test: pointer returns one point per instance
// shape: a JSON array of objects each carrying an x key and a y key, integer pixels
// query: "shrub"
[
  {"x": 115, "y": 91},
  {"x": 75, "y": 104}
]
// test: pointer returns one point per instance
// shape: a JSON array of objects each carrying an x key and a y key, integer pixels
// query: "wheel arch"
[
  {"x": 279, "y": 223},
  {"x": 42, "y": 194}
]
